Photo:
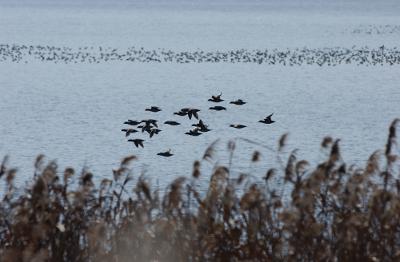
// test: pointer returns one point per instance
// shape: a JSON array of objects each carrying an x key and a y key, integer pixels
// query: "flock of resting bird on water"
[
  {"x": 151, "y": 126},
  {"x": 287, "y": 57}
]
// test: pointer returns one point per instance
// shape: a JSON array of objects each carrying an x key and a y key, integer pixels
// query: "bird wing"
[{"x": 195, "y": 115}]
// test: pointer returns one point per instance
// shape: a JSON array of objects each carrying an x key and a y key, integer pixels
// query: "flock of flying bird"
[{"x": 150, "y": 126}]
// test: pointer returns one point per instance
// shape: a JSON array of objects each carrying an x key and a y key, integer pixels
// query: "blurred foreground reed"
[{"x": 333, "y": 212}]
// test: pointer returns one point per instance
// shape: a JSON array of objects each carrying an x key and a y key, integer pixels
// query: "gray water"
[{"x": 74, "y": 112}]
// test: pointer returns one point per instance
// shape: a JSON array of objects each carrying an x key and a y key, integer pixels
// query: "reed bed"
[{"x": 334, "y": 212}]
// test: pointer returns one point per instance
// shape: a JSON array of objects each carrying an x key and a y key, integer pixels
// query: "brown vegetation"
[{"x": 333, "y": 212}]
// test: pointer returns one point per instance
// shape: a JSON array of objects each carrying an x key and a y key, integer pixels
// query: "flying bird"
[
  {"x": 238, "y": 126},
  {"x": 193, "y": 112},
  {"x": 137, "y": 142},
  {"x": 180, "y": 113},
  {"x": 267, "y": 120},
  {"x": 147, "y": 127},
  {"x": 153, "y": 109},
  {"x": 166, "y": 153},
  {"x": 216, "y": 99},
  {"x": 172, "y": 123},
  {"x": 194, "y": 132},
  {"x": 201, "y": 126},
  {"x": 132, "y": 122},
  {"x": 154, "y": 132},
  {"x": 150, "y": 122},
  {"x": 129, "y": 131},
  {"x": 217, "y": 108},
  {"x": 189, "y": 112},
  {"x": 238, "y": 102}
]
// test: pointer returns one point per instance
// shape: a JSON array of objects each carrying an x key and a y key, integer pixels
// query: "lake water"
[{"x": 73, "y": 112}]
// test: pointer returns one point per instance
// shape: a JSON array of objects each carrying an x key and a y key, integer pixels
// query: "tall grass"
[{"x": 334, "y": 212}]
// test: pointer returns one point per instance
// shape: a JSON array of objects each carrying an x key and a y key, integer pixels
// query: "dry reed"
[{"x": 334, "y": 212}]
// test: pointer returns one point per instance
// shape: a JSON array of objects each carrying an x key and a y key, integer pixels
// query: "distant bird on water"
[
  {"x": 172, "y": 123},
  {"x": 129, "y": 131},
  {"x": 166, "y": 153},
  {"x": 153, "y": 109},
  {"x": 216, "y": 99},
  {"x": 238, "y": 126},
  {"x": 217, "y": 108},
  {"x": 238, "y": 102},
  {"x": 267, "y": 120},
  {"x": 137, "y": 142}
]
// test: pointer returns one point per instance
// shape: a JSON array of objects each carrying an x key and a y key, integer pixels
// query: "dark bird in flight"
[
  {"x": 172, "y": 123},
  {"x": 137, "y": 142},
  {"x": 267, "y": 120},
  {"x": 129, "y": 131},
  {"x": 132, "y": 122},
  {"x": 180, "y": 113},
  {"x": 153, "y": 109},
  {"x": 189, "y": 112},
  {"x": 150, "y": 122},
  {"x": 217, "y": 108},
  {"x": 154, "y": 132},
  {"x": 194, "y": 132},
  {"x": 166, "y": 153},
  {"x": 147, "y": 127},
  {"x": 238, "y": 126},
  {"x": 238, "y": 102},
  {"x": 201, "y": 126},
  {"x": 216, "y": 99},
  {"x": 204, "y": 129},
  {"x": 193, "y": 112}
]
